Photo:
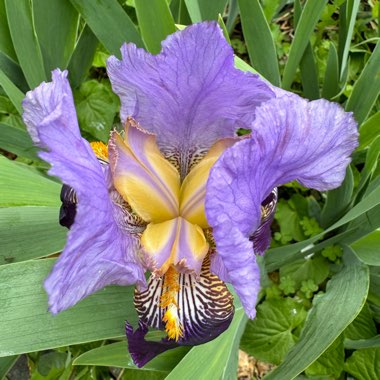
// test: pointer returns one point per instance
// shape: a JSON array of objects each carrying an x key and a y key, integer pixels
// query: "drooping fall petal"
[
  {"x": 292, "y": 139},
  {"x": 98, "y": 251}
]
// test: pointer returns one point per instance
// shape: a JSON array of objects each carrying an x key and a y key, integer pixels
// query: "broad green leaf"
[
  {"x": 116, "y": 355},
  {"x": 82, "y": 57},
  {"x": 369, "y": 131},
  {"x": 308, "y": 67},
  {"x": 217, "y": 359},
  {"x": 331, "y": 80},
  {"x": 315, "y": 268},
  {"x": 277, "y": 257},
  {"x": 366, "y": 89},
  {"x": 348, "y": 12},
  {"x": 26, "y": 325},
  {"x": 41, "y": 233},
  {"x": 338, "y": 200},
  {"x": 50, "y": 365},
  {"x": 363, "y": 326},
  {"x": 200, "y": 10},
  {"x": 271, "y": 334},
  {"x": 25, "y": 41},
  {"x": 364, "y": 364},
  {"x": 155, "y": 22},
  {"x": 367, "y": 249},
  {"x": 17, "y": 141},
  {"x": 20, "y": 185},
  {"x": 56, "y": 39},
  {"x": 288, "y": 220},
  {"x": 362, "y": 343},
  {"x": 331, "y": 313},
  {"x": 258, "y": 37},
  {"x": 6, "y": 44},
  {"x": 309, "y": 18},
  {"x": 96, "y": 106},
  {"x": 109, "y": 22},
  {"x": 330, "y": 363},
  {"x": 14, "y": 94}
]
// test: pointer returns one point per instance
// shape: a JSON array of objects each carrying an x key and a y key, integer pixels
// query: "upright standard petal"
[
  {"x": 292, "y": 139},
  {"x": 190, "y": 95},
  {"x": 148, "y": 182},
  {"x": 98, "y": 251}
]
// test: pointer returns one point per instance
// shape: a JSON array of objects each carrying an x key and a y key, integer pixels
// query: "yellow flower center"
[{"x": 174, "y": 239}]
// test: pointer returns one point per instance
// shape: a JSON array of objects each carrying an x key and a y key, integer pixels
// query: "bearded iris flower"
[{"x": 177, "y": 192}]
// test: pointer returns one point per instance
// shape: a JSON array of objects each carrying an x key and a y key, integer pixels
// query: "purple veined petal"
[
  {"x": 190, "y": 95},
  {"x": 292, "y": 139},
  {"x": 98, "y": 252}
]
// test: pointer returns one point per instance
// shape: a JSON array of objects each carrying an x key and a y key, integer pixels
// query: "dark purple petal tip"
[{"x": 142, "y": 351}]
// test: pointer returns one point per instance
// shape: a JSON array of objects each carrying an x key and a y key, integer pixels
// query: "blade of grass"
[
  {"x": 116, "y": 355},
  {"x": 308, "y": 67},
  {"x": 82, "y": 57},
  {"x": 179, "y": 12},
  {"x": 308, "y": 19},
  {"x": 369, "y": 131},
  {"x": 258, "y": 37},
  {"x": 331, "y": 81},
  {"x": 6, "y": 44},
  {"x": 338, "y": 200},
  {"x": 155, "y": 22},
  {"x": 233, "y": 11},
  {"x": 200, "y": 10},
  {"x": 13, "y": 71},
  {"x": 347, "y": 13},
  {"x": 6, "y": 363},
  {"x": 25, "y": 41},
  {"x": 224, "y": 28},
  {"x": 366, "y": 89},
  {"x": 109, "y": 22},
  {"x": 14, "y": 94},
  {"x": 56, "y": 39}
]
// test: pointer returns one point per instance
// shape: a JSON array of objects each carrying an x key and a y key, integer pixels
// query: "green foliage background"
[{"x": 319, "y": 310}]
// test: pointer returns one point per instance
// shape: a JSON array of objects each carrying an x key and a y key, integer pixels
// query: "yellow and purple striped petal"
[
  {"x": 174, "y": 242},
  {"x": 193, "y": 188},
  {"x": 145, "y": 179}
]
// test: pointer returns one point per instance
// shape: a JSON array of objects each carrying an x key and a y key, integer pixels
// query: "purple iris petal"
[
  {"x": 190, "y": 95},
  {"x": 292, "y": 139},
  {"x": 98, "y": 252}
]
